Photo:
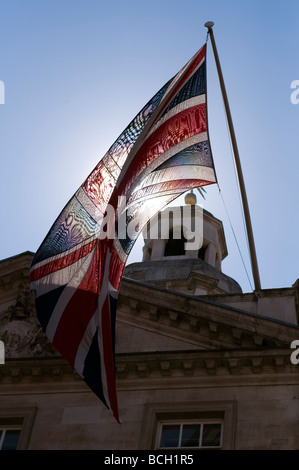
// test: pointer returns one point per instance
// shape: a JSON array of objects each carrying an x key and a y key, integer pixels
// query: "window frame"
[
  {"x": 18, "y": 418},
  {"x": 181, "y": 423},
  {"x": 156, "y": 413},
  {"x": 4, "y": 429}
]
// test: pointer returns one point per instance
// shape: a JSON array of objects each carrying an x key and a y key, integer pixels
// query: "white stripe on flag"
[
  {"x": 195, "y": 139},
  {"x": 142, "y": 137},
  {"x": 64, "y": 253},
  {"x": 88, "y": 205},
  {"x": 195, "y": 101},
  {"x": 176, "y": 173},
  {"x": 57, "y": 278},
  {"x": 94, "y": 323},
  {"x": 66, "y": 296}
]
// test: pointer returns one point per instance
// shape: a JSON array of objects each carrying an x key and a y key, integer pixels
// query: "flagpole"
[{"x": 251, "y": 243}]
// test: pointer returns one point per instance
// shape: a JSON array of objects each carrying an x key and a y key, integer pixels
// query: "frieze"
[{"x": 242, "y": 365}]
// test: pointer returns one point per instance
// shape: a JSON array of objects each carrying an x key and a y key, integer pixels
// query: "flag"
[{"x": 77, "y": 270}]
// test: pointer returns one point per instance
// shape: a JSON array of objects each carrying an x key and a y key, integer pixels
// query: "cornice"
[
  {"x": 199, "y": 321},
  {"x": 157, "y": 370},
  {"x": 16, "y": 263},
  {"x": 217, "y": 364}
]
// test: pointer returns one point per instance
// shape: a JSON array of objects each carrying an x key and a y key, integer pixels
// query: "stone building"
[{"x": 199, "y": 363}]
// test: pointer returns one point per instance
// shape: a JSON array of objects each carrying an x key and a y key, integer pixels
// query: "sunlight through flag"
[{"x": 77, "y": 270}]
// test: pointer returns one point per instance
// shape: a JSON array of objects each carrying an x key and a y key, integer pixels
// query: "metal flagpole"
[{"x": 254, "y": 264}]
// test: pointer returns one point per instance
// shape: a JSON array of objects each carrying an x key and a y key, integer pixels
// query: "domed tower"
[{"x": 183, "y": 250}]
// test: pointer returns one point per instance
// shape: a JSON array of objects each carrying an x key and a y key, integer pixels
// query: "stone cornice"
[
  {"x": 199, "y": 321},
  {"x": 16, "y": 263},
  {"x": 217, "y": 364},
  {"x": 35, "y": 370},
  {"x": 162, "y": 370}
]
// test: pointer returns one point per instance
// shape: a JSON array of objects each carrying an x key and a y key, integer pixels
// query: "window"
[
  {"x": 193, "y": 424},
  {"x": 203, "y": 435},
  {"x": 175, "y": 246},
  {"x": 201, "y": 253},
  {"x": 15, "y": 427},
  {"x": 9, "y": 438}
]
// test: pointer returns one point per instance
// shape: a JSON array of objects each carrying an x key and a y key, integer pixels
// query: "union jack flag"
[{"x": 77, "y": 270}]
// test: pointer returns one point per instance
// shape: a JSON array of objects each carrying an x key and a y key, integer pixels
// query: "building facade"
[{"x": 199, "y": 363}]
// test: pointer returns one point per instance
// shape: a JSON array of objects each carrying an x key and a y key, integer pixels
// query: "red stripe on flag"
[
  {"x": 186, "y": 124},
  {"x": 99, "y": 186},
  {"x": 183, "y": 80},
  {"x": 62, "y": 262},
  {"x": 80, "y": 309},
  {"x": 116, "y": 268}
]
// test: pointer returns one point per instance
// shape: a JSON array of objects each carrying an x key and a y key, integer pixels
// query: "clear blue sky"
[{"x": 77, "y": 71}]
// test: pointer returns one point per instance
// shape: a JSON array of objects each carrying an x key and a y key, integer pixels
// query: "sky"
[{"x": 73, "y": 73}]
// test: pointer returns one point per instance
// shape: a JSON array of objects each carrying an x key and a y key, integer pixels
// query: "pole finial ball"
[
  {"x": 209, "y": 24},
  {"x": 190, "y": 198}
]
